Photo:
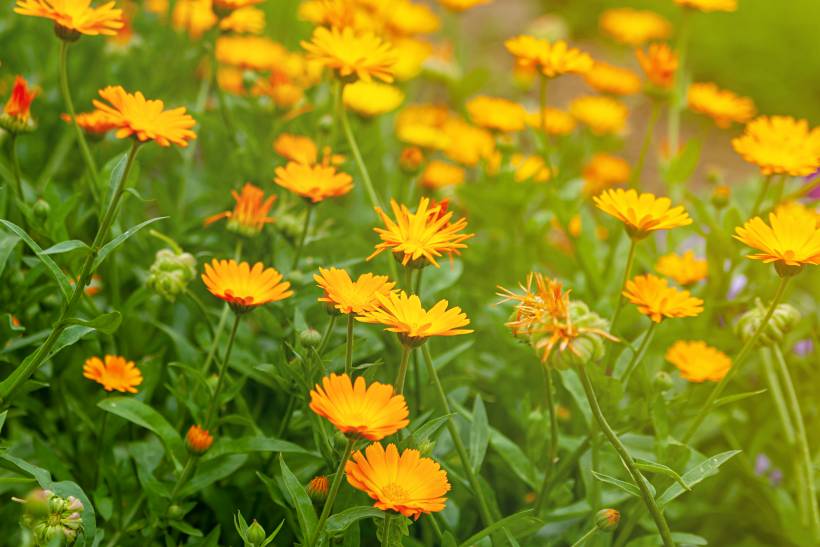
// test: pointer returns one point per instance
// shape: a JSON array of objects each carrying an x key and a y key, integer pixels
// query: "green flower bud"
[
  {"x": 41, "y": 210},
  {"x": 290, "y": 225},
  {"x": 170, "y": 273},
  {"x": 607, "y": 519},
  {"x": 783, "y": 319},
  {"x": 310, "y": 338},
  {"x": 175, "y": 512},
  {"x": 585, "y": 338},
  {"x": 256, "y": 534},
  {"x": 49, "y": 516},
  {"x": 662, "y": 381}
]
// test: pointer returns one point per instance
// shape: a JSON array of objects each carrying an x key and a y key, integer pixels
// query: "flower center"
[{"x": 394, "y": 492}]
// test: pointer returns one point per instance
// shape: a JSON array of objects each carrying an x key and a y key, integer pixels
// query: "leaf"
[
  {"x": 697, "y": 474},
  {"x": 137, "y": 412},
  {"x": 7, "y": 244},
  {"x": 655, "y": 467},
  {"x": 185, "y": 528},
  {"x": 211, "y": 471},
  {"x": 66, "y": 247},
  {"x": 680, "y": 538},
  {"x": 119, "y": 240},
  {"x": 338, "y": 523},
  {"x": 244, "y": 445},
  {"x": 51, "y": 266},
  {"x": 515, "y": 520},
  {"x": 107, "y": 323},
  {"x": 627, "y": 487},
  {"x": 729, "y": 399},
  {"x": 299, "y": 499},
  {"x": 443, "y": 359},
  {"x": 479, "y": 434}
]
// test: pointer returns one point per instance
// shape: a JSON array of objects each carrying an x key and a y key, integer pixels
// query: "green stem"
[
  {"x": 542, "y": 103},
  {"x": 761, "y": 196},
  {"x": 302, "y": 238},
  {"x": 635, "y": 179},
  {"x": 678, "y": 91},
  {"x": 127, "y": 522},
  {"x": 187, "y": 471},
  {"x": 386, "y": 531},
  {"x": 405, "y": 360},
  {"x": 283, "y": 426},
  {"x": 777, "y": 396},
  {"x": 349, "y": 350},
  {"x": 202, "y": 309},
  {"x": 351, "y": 141},
  {"x": 223, "y": 371},
  {"x": 326, "y": 336},
  {"x": 99, "y": 448},
  {"x": 630, "y": 260},
  {"x": 638, "y": 355},
  {"x": 331, "y": 495},
  {"x": 585, "y": 537},
  {"x": 15, "y": 165},
  {"x": 626, "y": 458},
  {"x": 552, "y": 449}
]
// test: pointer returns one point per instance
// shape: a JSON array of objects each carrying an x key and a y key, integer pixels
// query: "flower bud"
[
  {"x": 51, "y": 517},
  {"x": 256, "y": 534},
  {"x": 175, "y": 512},
  {"x": 783, "y": 319},
  {"x": 170, "y": 273},
  {"x": 198, "y": 440},
  {"x": 587, "y": 338},
  {"x": 411, "y": 159},
  {"x": 290, "y": 225},
  {"x": 662, "y": 381},
  {"x": 310, "y": 338},
  {"x": 41, "y": 210},
  {"x": 721, "y": 195},
  {"x": 607, "y": 520},
  {"x": 317, "y": 487}
]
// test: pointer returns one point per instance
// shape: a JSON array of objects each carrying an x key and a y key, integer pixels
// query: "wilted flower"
[
  {"x": 250, "y": 214},
  {"x": 171, "y": 272}
]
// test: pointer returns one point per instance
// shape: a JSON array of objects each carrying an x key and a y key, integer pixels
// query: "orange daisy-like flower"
[
  {"x": 19, "y": 104},
  {"x": 685, "y": 269},
  {"x": 603, "y": 115},
  {"x": 371, "y": 412},
  {"x": 709, "y": 5},
  {"x": 496, "y": 113},
  {"x": 780, "y": 144},
  {"x": 145, "y": 119},
  {"x": 296, "y": 148},
  {"x": 634, "y": 27},
  {"x": 612, "y": 80},
  {"x": 698, "y": 362},
  {"x": 94, "y": 122},
  {"x": 791, "y": 240},
  {"x": 245, "y": 20},
  {"x": 406, "y": 316},
  {"x": 243, "y": 287},
  {"x": 723, "y": 106},
  {"x": 603, "y": 171},
  {"x": 439, "y": 174},
  {"x": 198, "y": 439},
  {"x": 251, "y": 212},
  {"x": 74, "y": 17},
  {"x": 348, "y": 296},
  {"x": 227, "y": 6},
  {"x": 556, "y": 120},
  {"x": 641, "y": 213},
  {"x": 552, "y": 59},
  {"x": 462, "y": 5},
  {"x": 657, "y": 300},
  {"x": 114, "y": 374},
  {"x": 361, "y": 55},
  {"x": 405, "y": 483},
  {"x": 659, "y": 63},
  {"x": 420, "y": 237},
  {"x": 313, "y": 182}
]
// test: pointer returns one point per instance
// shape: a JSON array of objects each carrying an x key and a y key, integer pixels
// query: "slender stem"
[
  {"x": 202, "y": 309},
  {"x": 220, "y": 95},
  {"x": 736, "y": 363},
  {"x": 630, "y": 260},
  {"x": 673, "y": 134},
  {"x": 186, "y": 473},
  {"x": 331, "y": 495},
  {"x": 99, "y": 448},
  {"x": 585, "y": 537},
  {"x": 302, "y": 238},
  {"x": 351, "y": 141},
  {"x": 626, "y": 458},
  {"x": 386, "y": 531},
  {"x": 638, "y": 355},
  {"x": 808, "y": 484},
  {"x": 283, "y": 426},
  {"x": 15, "y": 165},
  {"x": 223, "y": 371},
  {"x": 223, "y": 320},
  {"x": 542, "y": 103},
  {"x": 405, "y": 360},
  {"x": 349, "y": 350},
  {"x": 434, "y": 524},
  {"x": 761, "y": 196},
  {"x": 326, "y": 336},
  {"x": 777, "y": 396},
  {"x": 635, "y": 179},
  {"x": 552, "y": 450},
  {"x": 127, "y": 522}
]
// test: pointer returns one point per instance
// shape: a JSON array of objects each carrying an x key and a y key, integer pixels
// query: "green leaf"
[
  {"x": 338, "y": 523},
  {"x": 211, "y": 471},
  {"x": 729, "y": 399},
  {"x": 7, "y": 244},
  {"x": 185, "y": 528},
  {"x": 627, "y": 487},
  {"x": 3, "y": 419},
  {"x": 244, "y": 445},
  {"x": 119, "y": 240},
  {"x": 55, "y": 271},
  {"x": 697, "y": 474},
  {"x": 107, "y": 323},
  {"x": 479, "y": 434},
  {"x": 526, "y": 517},
  {"x": 299, "y": 499},
  {"x": 137, "y": 412},
  {"x": 655, "y": 467},
  {"x": 448, "y": 540},
  {"x": 66, "y": 247}
]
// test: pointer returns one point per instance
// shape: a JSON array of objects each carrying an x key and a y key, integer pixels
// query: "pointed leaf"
[
  {"x": 107, "y": 323},
  {"x": 52, "y": 267},
  {"x": 338, "y": 523},
  {"x": 299, "y": 499},
  {"x": 137, "y": 412},
  {"x": 119, "y": 240},
  {"x": 697, "y": 474},
  {"x": 655, "y": 467},
  {"x": 66, "y": 247},
  {"x": 479, "y": 434}
]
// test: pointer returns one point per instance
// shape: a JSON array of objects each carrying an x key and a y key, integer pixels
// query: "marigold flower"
[
  {"x": 462, "y": 5},
  {"x": 529, "y": 167},
  {"x": 403, "y": 17},
  {"x": 439, "y": 174},
  {"x": 780, "y": 144},
  {"x": 317, "y": 487},
  {"x": 246, "y": 20},
  {"x": 603, "y": 115},
  {"x": 698, "y": 362},
  {"x": 243, "y": 287},
  {"x": 193, "y": 16},
  {"x": 792, "y": 238},
  {"x": 145, "y": 119},
  {"x": 371, "y": 412},
  {"x": 258, "y": 53},
  {"x": 313, "y": 182},
  {"x": 496, "y": 113},
  {"x": 556, "y": 120},
  {"x": 423, "y": 125},
  {"x": 228, "y": 6},
  {"x": 659, "y": 63},
  {"x": 466, "y": 143},
  {"x": 296, "y": 148},
  {"x": 634, "y": 27},
  {"x": 603, "y": 171},
  {"x": 411, "y": 158},
  {"x": 612, "y": 80},
  {"x": 789, "y": 208},
  {"x": 361, "y": 55},
  {"x": 198, "y": 439},
  {"x": 641, "y": 213},
  {"x": 709, "y": 5},
  {"x": 250, "y": 214},
  {"x": 114, "y": 374},
  {"x": 552, "y": 59},
  {"x": 94, "y": 122},
  {"x": 723, "y": 106},
  {"x": 405, "y": 483},
  {"x": 371, "y": 98},
  {"x": 348, "y": 296},
  {"x": 74, "y": 17},
  {"x": 685, "y": 269},
  {"x": 657, "y": 300},
  {"x": 420, "y": 237},
  {"x": 16, "y": 115}
]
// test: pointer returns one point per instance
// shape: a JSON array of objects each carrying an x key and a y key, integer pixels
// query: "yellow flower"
[
  {"x": 115, "y": 374},
  {"x": 361, "y": 55},
  {"x": 603, "y": 115},
  {"x": 227, "y": 6},
  {"x": 134, "y": 115},
  {"x": 791, "y": 239},
  {"x": 406, "y": 316},
  {"x": 193, "y": 16},
  {"x": 313, "y": 182},
  {"x": 243, "y": 287},
  {"x": 496, "y": 113},
  {"x": 709, "y": 5},
  {"x": 348, "y": 296},
  {"x": 438, "y": 174},
  {"x": 250, "y": 52},
  {"x": 372, "y": 98},
  {"x": 411, "y": 55},
  {"x": 403, "y": 17},
  {"x": 612, "y": 80},
  {"x": 685, "y": 269},
  {"x": 198, "y": 439},
  {"x": 528, "y": 167},
  {"x": 641, "y": 213},
  {"x": 296, "y": 148},
  {"x": 698, "y": 362},
  {"x": 723, "y": 106},
  {"x": 250, "y": 214},
  {"x": 75, "y": 17},
  {"x": 780, "y": 144},
  {"x": 246, "y": 20},
  {"x": 552, "y": 59},
  {"x": 659, "y": 63},
  {"x": 416, "y": 238},
  {"x": 603, "y": 171},
  {"x": 462, "y": 5},
  {"x": 634, "y": 27},
  {"x": 371, "y": 412},
  {"x": 557, "y": 121},
  {"x": 405, "y": 483},
  {"x": 657, "y": 300},
  {"x": 791, "y": 208},
  {"x": 466, "y": 143}
]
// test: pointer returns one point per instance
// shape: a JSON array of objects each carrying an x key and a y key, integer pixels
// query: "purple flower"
[
  {"x": 738, "y": 283},
  {"x": 803, "y": 347},
  {"x": 762, "y": 464}
]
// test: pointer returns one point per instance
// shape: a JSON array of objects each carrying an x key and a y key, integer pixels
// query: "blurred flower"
[
  {"x": 313, "y": 182},
  {"x": 361, "y": 55},
  {"x": 420, "y": 237},
  {"x": 423, "y": 125},
  {"x": 462, "y": 5},
  {"x": 370, "y": 412},
  {"x": 243, "y": 287},
  {"x": 496, "y": 113},
  {"x": 709, "y": 5},
  {"x": 698, "y": 362},
  {"x": 74, "y": 17},
  {"x": 52, "y": 520},
  {"x": 720, "y": 196},
  {"x": 250, "y": 52},
  {"x": 603, "y": 115},
  {"x": 466, "y": 143},
  {"x": 657, "y": 300},
  {"x": 634, "y": 27},
  {"x": 780, "y": 144},
  {"x": 551, "y": 59},
  {"x": 607, "y": 519},
  {"x": 411, "y": 158},
  {"x": 225, "y": 7},
  {"x": 803, "y": 348},
  {"x": 250, "y": 214},
  {"x": 411, "y": 56},
  {"x": 198, "y": 439},
  {"x": 317, "y": 487},
  {"x": 603, "y": 171},
  {"x": 660, "y": 64},
  {"x": 723, "y": 106},
  {"x": 641, "y": 213},
  {"x": 792, "y": 208},
  {"x": 193, "y": 16},
  {"x": 115, "y": 374},
  {"x": 405, "y": 483},
  {"x": 783, "y": 319},
  {"x": 405, "y": 316},
  {"x": 94, "y": 122},
  {"x": 170, "y": 273},
  {"x": 685, "y": 269},
  {"x": 529, "y": 168},
  {"x": 246, "y": 20},
  {"x": 736, "y": 285},
  {"x": 16, "y": 115},
  {"x": 403, "y": 17},
  {"x": 793, "y": 239},
  {"x": 348, "y": 296},
  {"x": 612, "y": 80},
  {"x": 371, "y": 98},
  {"x": 296, "y": 148},
  {"x": 438, "y": 174},
  {"x": 557, "y": 121}
]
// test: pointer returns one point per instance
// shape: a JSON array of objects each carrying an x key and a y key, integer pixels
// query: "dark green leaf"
[
  {"x": 51, "y": 266},
  {"x": 119, "y": 240},
  {"x": 107, "y": 323},
  {"x": 66, "y": 247},
  {"x": 479, "y": 434},
  {"x": 299, "y": 499},
  {"x": 244, "y": 445},
  {"x": 526, "y": 517},
  {"x": 338, "y": 523},
  {"x": 139, "y": 413}
]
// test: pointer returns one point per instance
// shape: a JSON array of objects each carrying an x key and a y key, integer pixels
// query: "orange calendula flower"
[
  {"x": 467, "y": 144},
  {"x": 439, "y": 174},
  {"x": 496, "y": 113},
  {"x": 529, "y": 168},
  {"x": 603, "y": 171},
  {"x": 556, "y": 120},
  {"x": 685, "y": 269},
  {"x": 371, "y": 98},
  {"x": 317, "y": 487},
  {"x": 116, "y": 373},
  {"x": 723, "y": 106},
  {"x": 243, "y": 287},
  {"x": 145, "y": 119},
  {"x": 370, "y": 412},
  {"x": 552, "y": 59},
  {"x": 362, "y": 56},
  {"x": 709, "y": 5},
  {"x": 698, "y": 362},
  {"x": 603, "y": 115},
  {"x": 245, "y": 20},
  {"x": 74, "y": 17},
  {"x": 634, "y": 27},
  {"x": 659, "y": 63},
  {"x": 406, "y": 316},
  {"x": 348, "y": 296},
  {"x": 641, "y": 213},
  {"x": 780, "y": 144},
  {"x": 420, "y": 237},
  {"x": 790, "y": 240},
  {"x": 405, "y": 483},
  {"x": 612, "y": 80},
  {"x": 313, "y": 182},
  {"x": 198, "y": 439},
  {"x": 250, "y": 214},
  {"x": 657, "y": 300},
  {"x": 228, "y": 6},
  {"x": 94, "y": 122},
  {"x": 16, "y": 115},
  {"x": 462, "y": 5},
  {"x": 296, "y": 148}
]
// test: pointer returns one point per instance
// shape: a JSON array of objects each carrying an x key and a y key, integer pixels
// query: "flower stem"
[
  {"x": 331, "y": 495},
  {"x": 777, "y": 396},
  {"x": 223, "y": 371},
  {"x": 638, "y": 355},
  {"x": 349, "y": 350},
  {"x": 552, "y": 451},
  {"x": 542, "y": 103},
  {"x": 326, "y": 336},
  {"x": 764, "y": 189},
  {"x": 626, "y": 458},
  {"x": 405, "y": 360},
  {"x": 127, "y": 522},
  {"x": 302, "y": 238},
  {"x": 386, "y": 531},
  {"x": 585, "y": 537},
  {"x": 351, "y": 141},
  {"x": 635, "y": 179},
  {"x": 15, "y": 165},
  {"x": 630, "y": 260},
  {"x": 186, "y": 473}
]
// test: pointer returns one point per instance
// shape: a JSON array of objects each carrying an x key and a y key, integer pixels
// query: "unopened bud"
[
  {"x": 721, "y": 195},
  {"x": 607, "y": 519},
  {"x": 411, "y": 159},
  {"x": 51, "y": 517},
  {"x": 171, "y": 272},
  {"x": 662, "y": 381},
  {"x": 783, "y": 320},
  {"x": 198, "y": 439},
  {"x": 317, "y": 487},
  {"x": 256, "y": 534},
  {"x": 310, "y": 338},
  {"x": 175, "y": 512},
  {"x": 41, "y": 210},
  {"x": 587, "y": 343}
]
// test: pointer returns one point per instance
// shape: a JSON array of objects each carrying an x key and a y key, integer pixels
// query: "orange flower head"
[
  {"x": 791, "y": 240},
  {"x": 114, "y": 374},
  {"x": 94, "y": 122},
  {"x": 462, "y": 5},
  {"x": 243, "y": 287},
  {"x": 557, "y": 121},
  {"x": 134, "y": 115},
  {"x": 411, "y": 158},
  {"x": 352, "y": 55},
  {"x": 634, "y": 27},
  {"x": 247, "y": 20},
  {"x": 780, "y": 144},
  {"x": 657, "y": 300},
  {"x": 18, "y": 106},
  {"x": 224, "y": 8},
  {"x": 698, "y": 362},
  {"x": 602, "y": 115},
  {"x": 641, "y": 213},
  {"x": 612, "y": 80},
  {"x": 317, "y": 487},
  {"x": 496, "y": 114},
  {"x": 660, "y": 64},
  {"x": 313, "y": 182},
  {"x": 406, "y": 483},
  {"x": 370, "y": 412},
  {"x": 686, "y": 269},
  {"x": 296, "y": 148},
  {"x": 604, "y": 171},
  {"x": 419, "y": 238},
  {"x": 198, "y": 439},
  {"x": 552, "y": 59},
  {"x": 709, "y": 5},
  {"x": 74, "y": 17},
  {"x": 723, "y": 106},
  {"x": 440, "y": 174},
  {"x": 348, "y": 296},
  {"x": 250, "y": 214}
]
